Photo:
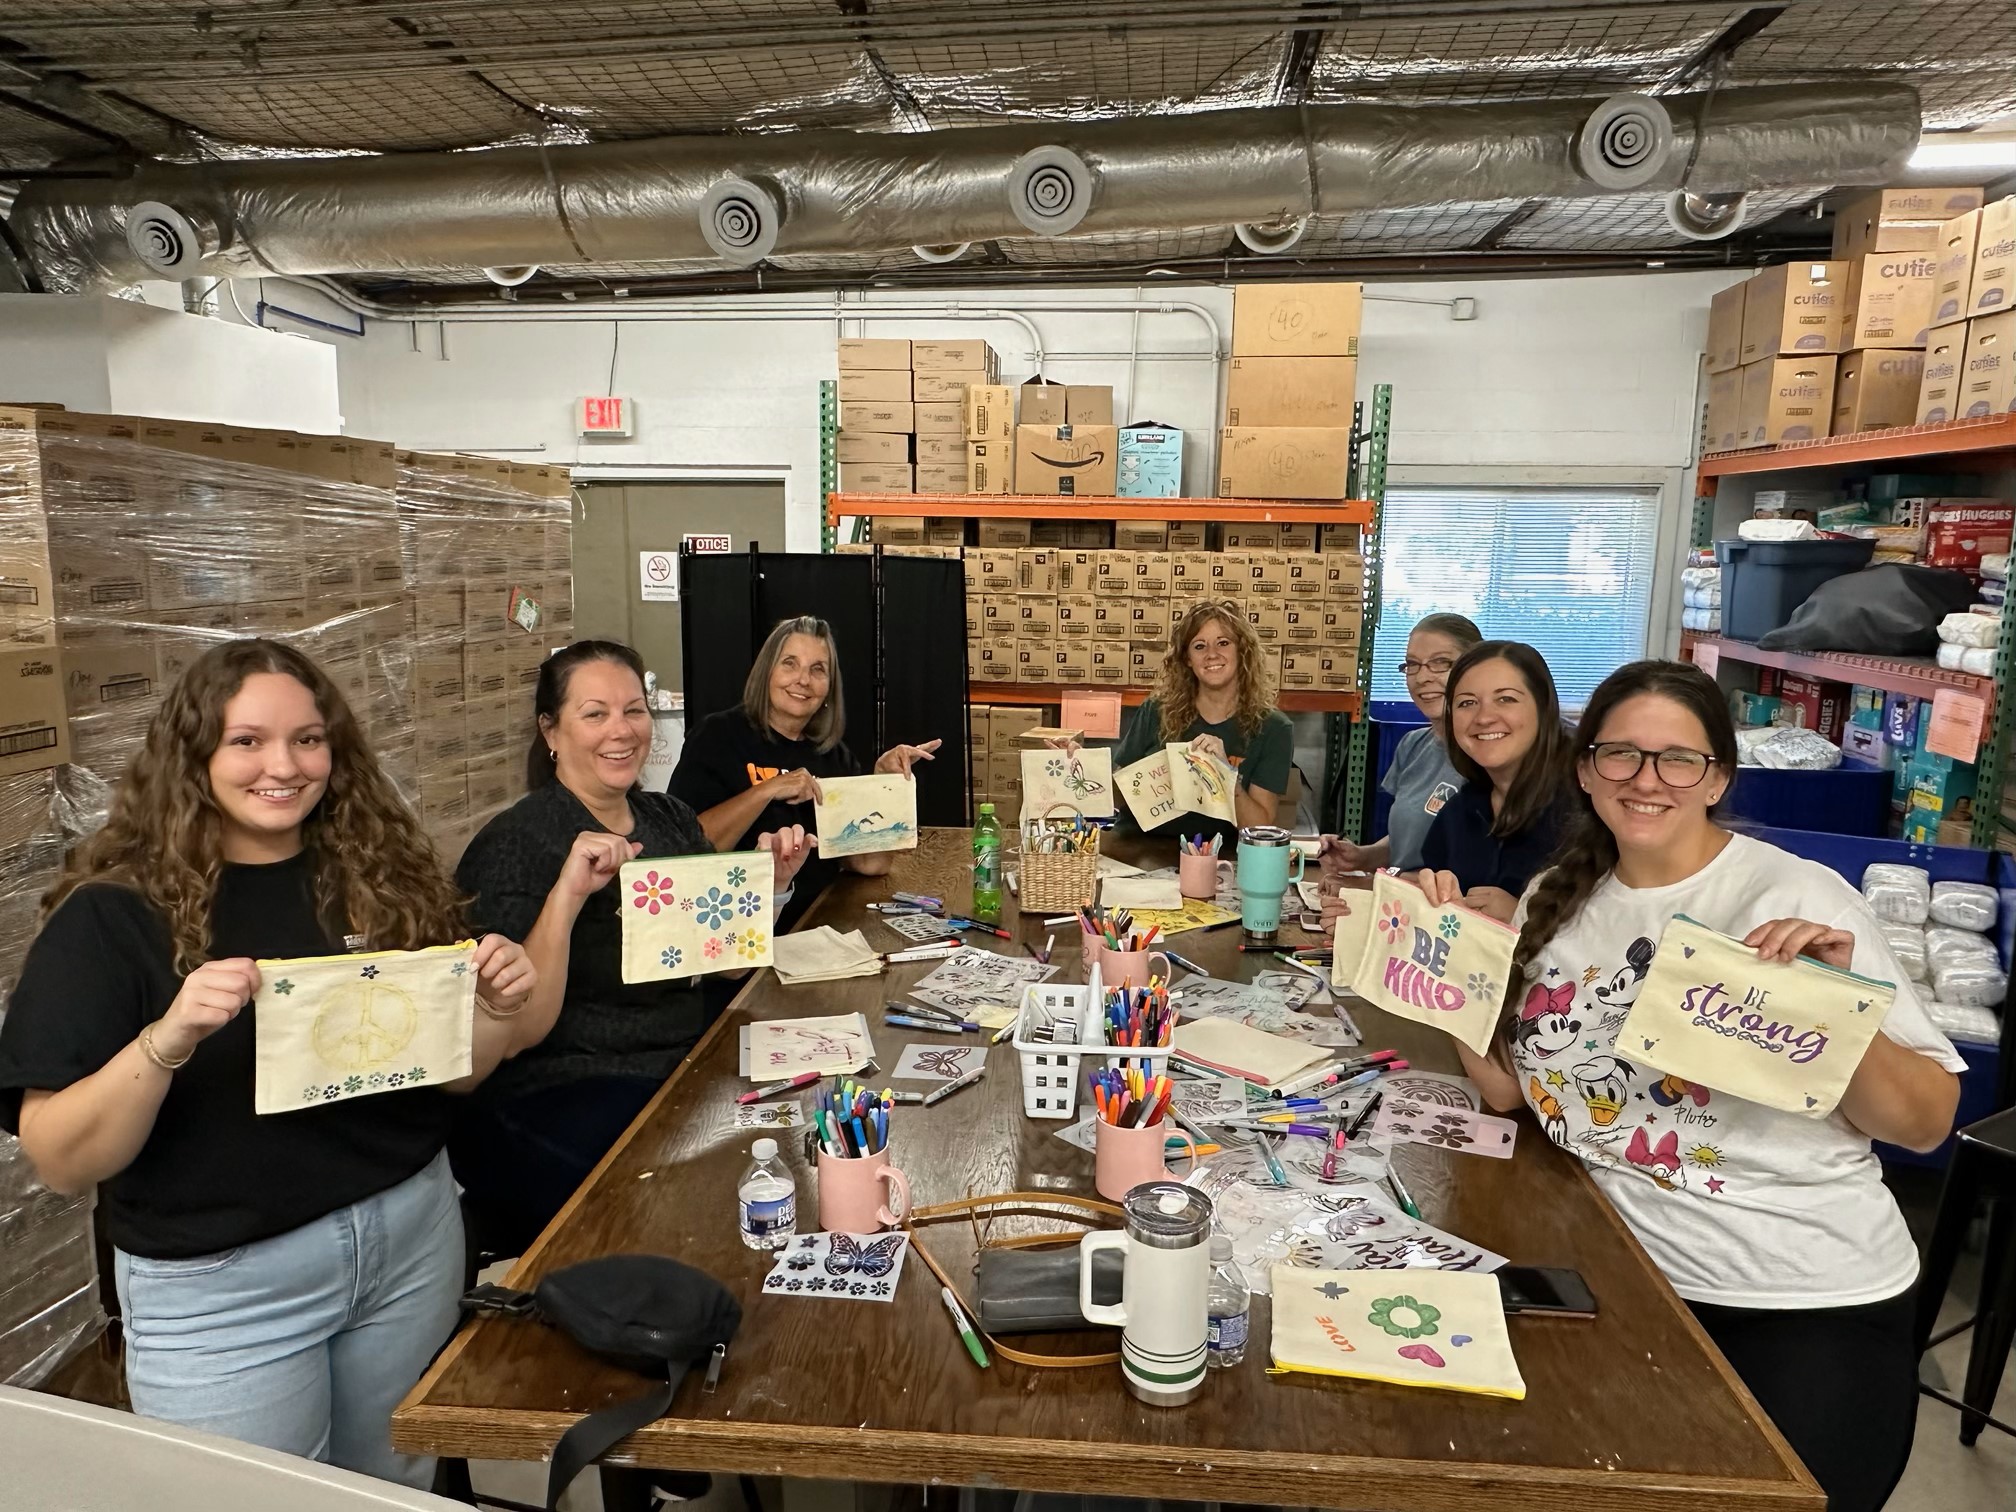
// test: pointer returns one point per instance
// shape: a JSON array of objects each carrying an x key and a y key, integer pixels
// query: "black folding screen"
[{"x": 901, "y": 627}]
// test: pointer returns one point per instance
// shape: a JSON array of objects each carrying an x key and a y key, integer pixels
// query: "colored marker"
[
  {"x": 974, "y": 924},
  {"x": 932, "y": 1099},
  {"x": 972, "y": 1339},
  {"x": 923, "y": 900},
  {"x": 776, "y": 1089},
  {"x": 936, "y": 1026},
  {"x": 1406, "y": 1197},
  {"x": 1188, "y": 965}
]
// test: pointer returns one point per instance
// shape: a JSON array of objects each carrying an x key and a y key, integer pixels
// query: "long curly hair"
[
  {"x": 1545, "y": 772},
  {"x": 1588, "y": 850},
  {"x": 376, "y": 872},
  {"x": 1176, "y": 684}
]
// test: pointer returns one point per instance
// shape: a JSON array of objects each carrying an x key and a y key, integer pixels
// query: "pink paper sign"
[{"x": 1957, "y": 718}]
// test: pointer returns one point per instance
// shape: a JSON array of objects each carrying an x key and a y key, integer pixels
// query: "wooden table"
[{"x": 1634, "y": 1408}]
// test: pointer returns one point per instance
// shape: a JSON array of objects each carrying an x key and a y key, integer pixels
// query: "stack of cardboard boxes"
[
  {"x": 1851, "y": 343},
  {"x": 1289, "y": 391},
  {"x": 994, "y": 742},
  {"x": 903, "y": 413},
  {"x": 1968, "y": 371}
]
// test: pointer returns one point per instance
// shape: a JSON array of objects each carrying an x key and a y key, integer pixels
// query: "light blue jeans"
[{"x": 304, "y": 1342}]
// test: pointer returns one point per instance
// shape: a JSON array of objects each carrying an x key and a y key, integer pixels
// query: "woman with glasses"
[
  {"x": 1419, "y": 777},
  {"x": 1507, "y": 743},
  {"x": 1776, "y": 1228}
]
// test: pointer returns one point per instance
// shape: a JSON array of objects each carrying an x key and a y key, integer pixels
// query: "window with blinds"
[{"x": 1567, "y": 570}]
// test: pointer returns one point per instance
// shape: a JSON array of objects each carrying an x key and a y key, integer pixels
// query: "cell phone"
[{"x": 1546, "y": 1289}]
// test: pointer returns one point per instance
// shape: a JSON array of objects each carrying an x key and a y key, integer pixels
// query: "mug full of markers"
[
  {"x": 1128, "y": 1137},
  {"x": 859, "y": 1190}
]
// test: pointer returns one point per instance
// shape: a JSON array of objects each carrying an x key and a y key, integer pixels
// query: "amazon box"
[
  {"x": 1315, "y": 391},
  {"x": 1877, "y": 389},
  {"x": 942, "y": 478},
  {"x": 945, "y": 387},
  {"x": 876, "y": 385},
  {"x": 1077, "y": 460},
  {"x": 942, "y": 420},
  {"x": 859, "y": 352},
  {"x": 1088, "y": 404},
  {"x": 1890, "y": 299},
  {"x": 871, "y": 446},
  {"x": 987, "y": 412},
  {"x": 1994, "y": 259},
  {"x": 1725, "y": 332},
  {"x": 877, "y": 478},
  {"x": 1296, "y": 319},
  {"x": 899, "y": 417},
  {"x": 1287, "y": 462},
  {"x": 1953, "y": 276},
  {"x": 1795, "y": 307},
  {"x": 944, "y": 451},
  {"x": 967, "y": 356},
  {"x": 1786, "y": 399}
]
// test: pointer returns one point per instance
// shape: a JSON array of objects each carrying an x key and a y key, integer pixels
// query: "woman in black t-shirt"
[
  {"x": 754, "y": 767},
  {"x": 545, "y": 871},
  {"x": 284, "y": 1278}
]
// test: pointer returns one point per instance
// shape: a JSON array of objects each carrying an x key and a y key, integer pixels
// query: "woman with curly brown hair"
[
  {"x": 284, "y": 1279},
  {"x": 1213, "y": 693}
]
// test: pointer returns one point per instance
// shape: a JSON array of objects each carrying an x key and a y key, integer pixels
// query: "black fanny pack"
[{"x": 647, "y": 1313}]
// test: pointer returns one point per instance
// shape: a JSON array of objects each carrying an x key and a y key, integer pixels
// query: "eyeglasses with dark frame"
[
  {"x": 1676, "y": 766},
  {"x": 1439, "y": 665}
]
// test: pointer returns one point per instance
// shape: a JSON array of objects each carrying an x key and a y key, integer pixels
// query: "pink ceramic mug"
[
  {"x": 852, "y": 1193},
  {"x": 1124, "y": 1158},
  {"x": 1131, "y": 968},
  {"x": 1197, "y": 876}
]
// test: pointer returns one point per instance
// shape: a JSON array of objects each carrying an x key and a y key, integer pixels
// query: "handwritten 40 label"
[
  {"x": 1445, "y": 967},
  {"x": 1787, "y": 1035}
]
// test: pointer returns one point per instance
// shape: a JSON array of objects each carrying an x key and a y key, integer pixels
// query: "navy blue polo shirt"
[{"x": 1460, "y": 841}]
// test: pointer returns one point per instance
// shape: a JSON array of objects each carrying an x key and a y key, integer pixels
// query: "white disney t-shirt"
[{"x": 1738, "y": 1203}]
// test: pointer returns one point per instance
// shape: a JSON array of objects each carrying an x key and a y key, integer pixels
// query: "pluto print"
[{"x": 684, "y": 916}]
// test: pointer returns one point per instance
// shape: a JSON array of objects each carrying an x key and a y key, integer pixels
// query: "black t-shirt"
[
  {"x": 213, "y": 1174},
  {"x": 1460, "y": 841},
  {"x": 725, "y": 756},
  {"x": 607, "y": 1027}
]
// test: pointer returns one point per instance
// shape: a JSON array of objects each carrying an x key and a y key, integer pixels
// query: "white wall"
[{"x": 103, "y": 354}]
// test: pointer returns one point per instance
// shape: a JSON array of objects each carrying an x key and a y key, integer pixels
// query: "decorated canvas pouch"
[
  {"x": 1407, "y": 1327},
  {"x": 1445, "y": 967},
  {"x": 687, "y": 915}
]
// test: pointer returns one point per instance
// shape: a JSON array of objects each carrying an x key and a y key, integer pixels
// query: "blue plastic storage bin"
[
  {"x": 1764, "y": 581},
  {"x": 1852, "y": 799}
]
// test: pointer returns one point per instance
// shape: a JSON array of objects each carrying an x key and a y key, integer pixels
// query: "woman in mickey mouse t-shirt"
[{"x": 1777, "y": 1229}]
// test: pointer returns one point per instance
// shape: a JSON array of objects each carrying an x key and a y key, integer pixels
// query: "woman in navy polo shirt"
[{"x": 1503, "y": 729}]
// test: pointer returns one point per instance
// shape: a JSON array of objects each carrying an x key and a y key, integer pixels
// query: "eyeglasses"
[
  {"x": 1620, "y": 761},
  {"x": 1439, "y": 665}
]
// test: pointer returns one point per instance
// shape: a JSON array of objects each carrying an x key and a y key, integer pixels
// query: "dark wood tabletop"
[{"x": 1631, "y": 1409}]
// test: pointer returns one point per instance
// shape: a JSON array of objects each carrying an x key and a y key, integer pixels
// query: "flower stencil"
[
  {"x": 653, "y": 892},
  {"x": 1403, "y": 1317},
  {"x": 737, "y": 875},
  {"x": 1451, "y": 926},
  {"x": 712, "y": 949},
  {"x": 669, "y": 956},
  {"x": 748, "y": 904}
]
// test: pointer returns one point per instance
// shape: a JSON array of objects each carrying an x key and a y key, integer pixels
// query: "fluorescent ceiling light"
[{"x": 1964, "y": 150}]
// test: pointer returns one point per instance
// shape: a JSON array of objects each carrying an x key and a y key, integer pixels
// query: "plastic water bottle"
[
  {"x": 987, "y": 867},
  {"x": 1226, "y": 1305},
  {"x": 767, "y": 1199}
]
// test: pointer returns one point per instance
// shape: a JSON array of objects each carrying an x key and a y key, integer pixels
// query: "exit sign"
[{"x": 605, "y": 416}]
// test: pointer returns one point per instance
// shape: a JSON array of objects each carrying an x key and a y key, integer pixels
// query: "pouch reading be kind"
[{"x": 1445, "y": 967}]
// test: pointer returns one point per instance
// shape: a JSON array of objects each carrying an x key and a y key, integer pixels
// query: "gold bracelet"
[
  {"x": 147, "y": 1049},
  {"x": 494, "y": 1011}
]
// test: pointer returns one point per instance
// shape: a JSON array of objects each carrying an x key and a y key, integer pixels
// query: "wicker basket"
[{"x": 1057, "y": 881}]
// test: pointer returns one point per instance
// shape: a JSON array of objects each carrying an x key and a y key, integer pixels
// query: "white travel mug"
[{"x": 1165, "y": 1284}]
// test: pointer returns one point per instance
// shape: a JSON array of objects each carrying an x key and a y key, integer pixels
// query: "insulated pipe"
[{"x": 831, "y": 192}]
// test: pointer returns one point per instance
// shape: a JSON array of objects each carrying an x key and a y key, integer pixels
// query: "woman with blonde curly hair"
[
  {"x": 284, "y": 1279},
  {"x": 1214, "y": 693}
]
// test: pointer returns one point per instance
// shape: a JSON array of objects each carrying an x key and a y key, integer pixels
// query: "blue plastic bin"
[
  {"x": 1764, "y": 581},
  {"x": 1852, "y": 799}
]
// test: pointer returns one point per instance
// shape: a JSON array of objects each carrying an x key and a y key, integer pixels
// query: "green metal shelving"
[
  {"x": 829, "y": 464},
  {"x": 1358, "y": 758}
]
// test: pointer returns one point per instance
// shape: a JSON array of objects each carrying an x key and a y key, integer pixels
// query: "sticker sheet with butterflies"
[
  {"x": 327, "y": 1028},
  {"x": 852, "y": 1267},
  {"x": 1445, "y": 967},
  {"x": 684, "y": 916},
  {"x": 1080, "y": 779},
  {"x": 1435, "y": 1328},
  {"x": 1788, "y": 1035}
]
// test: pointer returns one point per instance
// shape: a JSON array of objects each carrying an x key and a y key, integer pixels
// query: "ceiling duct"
[{"x": 741, "y": 199}]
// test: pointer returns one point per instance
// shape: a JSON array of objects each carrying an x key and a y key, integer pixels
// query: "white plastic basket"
[{"x": 1051, "y": 1069}]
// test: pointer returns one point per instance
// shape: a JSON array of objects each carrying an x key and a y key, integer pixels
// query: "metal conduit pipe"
[{"x": 742, "y": 199}]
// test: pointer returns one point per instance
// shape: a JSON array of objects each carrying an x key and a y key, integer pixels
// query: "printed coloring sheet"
[
  {"x": 975, "y": 979},
  {"x": 777, "y": 1049},
  {"x": 860, "y": 815},
  {"x": 687, "y": 915}
]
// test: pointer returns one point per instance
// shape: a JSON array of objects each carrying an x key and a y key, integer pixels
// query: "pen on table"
[
  {"x": 1364, "y": 1116},
  {"x": 1303, "y": 966},
  {"x": 1060, "y": 920},
  {"x": 1330, "y": 1073},
  {"x": 972, "y": 1339},
  {"x": 1188, "y": 965},
  {"x": 1004, "y": 1032},
  {"x": 925, "y": 953},
  {"x": 936, "y": 1026},
  {"x": 974, "y": 924},
  {"x": 1344, "y": 1018},
  {"x": 1273, "y": 1166},
  {"x": 906, "y": 1097},
  {"x": 1330, "y": 1155},
  {"x": 933, "y": 1098},
  {"x": 922, "y": 899},
  {"x": 1406, "y": 1197},
  {"x": 790, "y": 1084},
  {"x": 899, "y": 908},
  {"x": 1370, "y": 1074}
]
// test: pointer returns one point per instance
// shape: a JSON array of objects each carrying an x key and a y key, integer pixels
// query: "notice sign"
[
  {"x": 712, "y": 545},
  {"x": 1955, "y": 731},
  {"x": 658, "y": 576}
]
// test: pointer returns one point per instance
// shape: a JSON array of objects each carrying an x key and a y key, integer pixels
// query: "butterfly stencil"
[{"x": 848, "y": 1257}]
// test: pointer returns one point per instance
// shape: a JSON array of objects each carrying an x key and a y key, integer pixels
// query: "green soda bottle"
[{"x": 987, "y": 867}]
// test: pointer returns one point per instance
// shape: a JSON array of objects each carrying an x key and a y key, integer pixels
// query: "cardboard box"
[
  {"x": 1298, "y": 538},
  {"x": 1004, "y": 771},
  {"x": 1953, "y": 270},
  {"x": 1341, "y": 538},
  {"x": 1036, "y": 571},
  {"x": 1795, "y": 307},
  {"x": 998, "y": 616},
  {"x": 1189, "y": 535},
  {"x": 1151, "y": 462},
  {"x": 1088, "y": 404},
  {"x": 1251, "y": 535},
  {"x": 1108, "y": 663},
  {"x": 1078, "y": 571},
  {"x": 1152, "y": 576},
  {"x": 1298, "y": 391},
  {"x": 990, "y": 467},
  {"x": 858, "y": 352},
  {"x": 941, "y": 419},
  {"x": 1078, "y": 460},
  {"x": 1725, "y": 330},
  {"x": 976, "y": 624},
  {"x": 1985, "y": 370},
  {"x": 1336, "y": 671},
  {"x": 898, "y": 530},
  {"x": 1267, "y": 577},
  {"x": 1144, "y": 663},
  {"x": 1002, "y": 534},
  {"x": 878, "y": 416},
  {"x": 877, "y": 478},
  {"x": 1897, "y": 220},
  {"x": 987, "y": 412},
  {"x": 996, "y": 569},
  {"x": 1890, "y": 297},
  {"x": 1300, "y": 667},
  {"x": 1283, "y": 463},
  {"x": 1073, "y": 662},
  {"x": 1269, "y": 619},
  {"x": 1994, "y": 259},
  {"x": 1077, "y": 616},
  {"x": 491, "y": 784},
  {"x": 969, "y": 355},
  {"x": 940, "y": 450},
  {"x": 1041, "y": 403},
  {"x": 1035, "y": 662},
  {"x": 1229, "y": 573},
  {"x": 992, "y": 661},
  {"x": 1786, "y": 399},
  {"x": 1036, "y": 616},
  {"x": 1010, "y": 724},
  {"x": 1721, "y": 431},
  {"x": 1875, "y": 390},
  {"x": 1296, "y": 319},
  {"x": 1939, "y": 383},
  {"x": 941, "y": 478},
  {"x": 871, "y": 446},
  {"x": 1959, "y": 532},
  {"x": 1139, "y": 535},
  {"x": 1147, "y": 622},
  {"x": 1815, "y": 705},
  {"x": 1113, "y": 574},
  {"x": 944, "y": 388},
  {"x": 1190, "y": 575},
  {"x": 1343, "y": 575},
  {"x": 1339, "y": 625},
  {"x": 1307, "y": 576},
  {"x": 877, "y": 385}
]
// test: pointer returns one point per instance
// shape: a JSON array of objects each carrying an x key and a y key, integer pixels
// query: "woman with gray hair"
[{"x": 755, "y": 767}]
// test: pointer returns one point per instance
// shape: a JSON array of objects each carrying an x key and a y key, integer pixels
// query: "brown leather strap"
[{"x": 1031, "y": 1204}]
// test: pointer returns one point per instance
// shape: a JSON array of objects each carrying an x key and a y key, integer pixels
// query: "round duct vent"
[
  {"x": 165, "y": 239},
  {"x": 948, "y": 252},
  {"x": 510, "y": 278},
  {"x": 1269, "y": 240},
  {"x": 1625, "y": 142},
  {"x": 1706, "y": 217},
  {"x": 1050, "y": 190},
  {"x": 740, "y": 221}
]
